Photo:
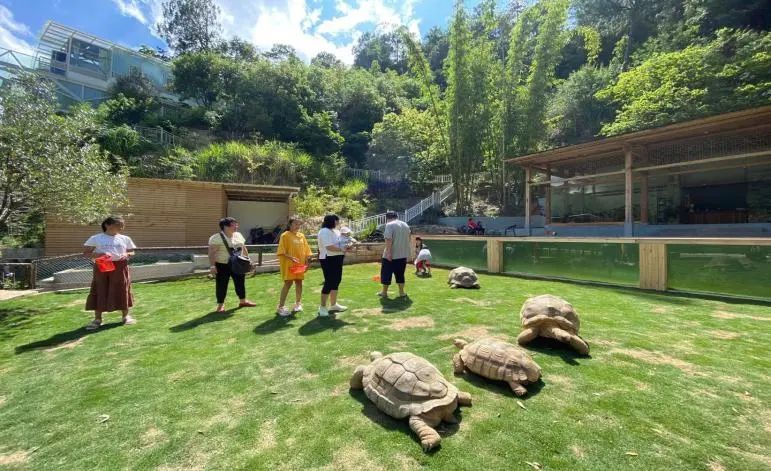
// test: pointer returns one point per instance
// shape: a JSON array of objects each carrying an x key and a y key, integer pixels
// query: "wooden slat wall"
[
  {"x": 161, "y": 213},
  {"x": 653, "y": 266}
]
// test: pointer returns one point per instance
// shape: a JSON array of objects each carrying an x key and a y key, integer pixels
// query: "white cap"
[{"x": 345, "y": 230}]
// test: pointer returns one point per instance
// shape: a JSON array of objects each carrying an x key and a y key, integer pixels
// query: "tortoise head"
[
  {"x": 375, "y": 355},
  {"x": 460, "y": 343}
]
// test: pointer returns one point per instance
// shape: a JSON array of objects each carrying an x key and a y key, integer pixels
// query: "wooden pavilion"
[{"x": 688, "y": 177}]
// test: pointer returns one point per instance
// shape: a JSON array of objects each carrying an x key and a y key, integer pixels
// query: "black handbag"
[{"x": 239, "y": 263}]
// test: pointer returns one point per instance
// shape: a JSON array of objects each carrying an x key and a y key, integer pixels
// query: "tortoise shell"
[
  {"x": 402, "y": 384},
  {"x": 544, "y": 310},
  {"x": 498, "y": 360},
  {"x": 463, "y": 277}
]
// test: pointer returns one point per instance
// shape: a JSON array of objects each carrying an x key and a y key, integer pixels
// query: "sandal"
[
  {"x": 94, "y": 325},
  {"x": 128, "y": 320}
]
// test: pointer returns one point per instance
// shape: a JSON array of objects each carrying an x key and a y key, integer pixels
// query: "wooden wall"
[{"x": 161, "y": 213}]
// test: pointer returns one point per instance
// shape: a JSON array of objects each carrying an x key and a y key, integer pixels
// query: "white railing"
[
  {"x": 158, "y": 135},
  {"x": 436, "y": 198}
]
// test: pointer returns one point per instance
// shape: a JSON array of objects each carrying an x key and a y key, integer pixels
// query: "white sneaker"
[
  {"x": 323, "y": 312},
  {"x": 283, "y": 312},
  {"x": 297, "y": 308},
  {"x": 337, "y": 308}
]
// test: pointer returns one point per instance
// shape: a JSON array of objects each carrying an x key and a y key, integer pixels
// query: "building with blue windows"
[{"x": 83, "y": 66}]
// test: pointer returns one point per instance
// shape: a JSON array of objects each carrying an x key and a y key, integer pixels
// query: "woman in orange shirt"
[{"x": 293, "y": 251}]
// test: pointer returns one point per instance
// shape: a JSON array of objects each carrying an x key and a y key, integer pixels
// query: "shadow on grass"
[
  {"x": 500, "y": 387},
  {"x": 274, "y": 324},
  {"x": 548, "y": 346},
  {"x": 65, "y": 337},
  {"x": 12, "y": 320},
  {"x": 205, "y": 319},
  {"x": 320, "y": 324},
  {"x": 395, "y": 304},
  {"x": 389, "y": 423}
]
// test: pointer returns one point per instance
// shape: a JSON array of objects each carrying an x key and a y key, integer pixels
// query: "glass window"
[{"x": 89, "y": 58}]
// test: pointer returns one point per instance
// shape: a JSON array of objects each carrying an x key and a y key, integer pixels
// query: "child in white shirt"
[
  {"x": 423, "y": 261},
  {"x": 346, "y": 239}
]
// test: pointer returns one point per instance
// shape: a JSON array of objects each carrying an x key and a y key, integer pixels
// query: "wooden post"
[
  {"x": 644, "y": 198},
  {"x": 628, "y": 192},
  {"x": 494, "y": 256},
  {"x": 547, "y": 210},
  {"x": 653, "y": 266},
  {"x": 527, "y": 200},
  {"x": 259, "y": 256}
]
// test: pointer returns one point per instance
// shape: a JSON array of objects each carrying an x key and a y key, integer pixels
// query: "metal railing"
[
  {"x": 436, "y": 198},
  {"x": 158, "y": 136}
]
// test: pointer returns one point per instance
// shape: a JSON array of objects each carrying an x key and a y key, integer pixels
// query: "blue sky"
[{"x": 311, "y": 26}]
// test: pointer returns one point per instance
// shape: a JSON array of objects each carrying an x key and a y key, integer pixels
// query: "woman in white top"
[
  {"x": 219, "y": 259},
  {"x": 331, "y": 257},
  {"x": 110, "y": 290}
]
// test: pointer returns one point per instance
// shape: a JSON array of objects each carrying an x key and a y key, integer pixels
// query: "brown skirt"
[{"x": 111, "y": 291}]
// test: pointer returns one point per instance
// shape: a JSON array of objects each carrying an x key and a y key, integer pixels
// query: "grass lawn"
[{"x": 672, "y": 382}]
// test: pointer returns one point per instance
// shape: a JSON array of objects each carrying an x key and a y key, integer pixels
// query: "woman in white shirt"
[
  {"x": 331, "y": 258},
  {"x": 219, "y": 259},
  {"x": 110, "y": 290}
]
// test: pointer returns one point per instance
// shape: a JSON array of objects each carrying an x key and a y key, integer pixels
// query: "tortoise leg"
[
  {"x": 464, "y": 399},
  {"x": 518, "y": 389},
  {"x": 559, "y": 334},
  {"x": 579, "y": 345},
  {"x": 527, "y": 336},
  {"x": 356, "y": 379},
  {"x": 457, "y": 363},
  {"x": 429, "y": 438}
]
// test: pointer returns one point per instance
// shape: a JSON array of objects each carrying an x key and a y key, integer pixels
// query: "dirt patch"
[
  {"x": 715, "y": 465},
  {"x": 723, "y": 334},
  {"x": 406, "y": 463},
  {"x": 363, "y": 312},
  {"x": 732, "y": 315},
  {"x": 578, "y": 452},
  {"x": 472, "y": 333},
  {"x": 398, "y": 346},
  {"x": 232, "y": 411},
  {"x": 194, "y": 461},
  {"x": 339, "y": 390},
  {"x": 424, "y": 322},
  {"x": 605, "y": 343},
  {"x": 352, "y": 458},
  {"x": 640, "y": 386},
  {"x": 76, "y": 302},
  {"x": 6, "y": 294},
  {"x": 152, "y": 437},
  {"x": 18, "y": 457},
  {"x": 660, "y": 310},
  {"x": 763, "y": 459},
  {"x": 475, "y": 302},
  {"x": 657, "y": 358},
  {"x": 267, "y": 435},
  {"x": 66, "y": 345},
  {"x": 350, "y": 363},
  {"x": 2, "y": 401}
]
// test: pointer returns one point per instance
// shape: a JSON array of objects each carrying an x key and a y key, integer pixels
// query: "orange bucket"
[
  {"x": 376, "y": 278},
  {"x": 104, "y": 264},
  {"x": 298, "y": 269}
]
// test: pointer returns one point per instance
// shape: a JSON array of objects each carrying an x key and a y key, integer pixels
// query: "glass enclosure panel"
[
  {"x": 456, "y": 253},
  {"x": 124, "y": 63},
  {"x": 741, "y": 270},
  {"x": 609, "y": 263},
  {"x": 90, "y": 58}
]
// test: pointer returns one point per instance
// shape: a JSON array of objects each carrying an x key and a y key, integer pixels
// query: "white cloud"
[
  {"x": 131, "y": 8},
  {"x": 13, "y": 33},
  {"x": 295, "y": 22}
]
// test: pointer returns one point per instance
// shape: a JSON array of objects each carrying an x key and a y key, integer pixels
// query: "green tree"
[
  {"x": 327, "y": 60},
  {"x": 731, "y": 72},
  {"x": 63, "y": 173},
  {"x": 574, "y": 113},
  {"x": 190, "y": 25},
  {"x": 205, "y": 77},
  {"x": 387, "y": 50}
]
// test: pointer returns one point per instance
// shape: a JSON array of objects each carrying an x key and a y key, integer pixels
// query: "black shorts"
[
  {"x": 332, "y": 267},
  {"x": 396, "y": 268}
]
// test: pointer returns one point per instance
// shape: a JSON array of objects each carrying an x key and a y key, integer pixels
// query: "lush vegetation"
[
  {"x": 672, "y": 382},
  {"x": 498, "y": 81}
]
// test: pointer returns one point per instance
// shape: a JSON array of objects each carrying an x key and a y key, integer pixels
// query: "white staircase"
[{"x": 436, "y": 198}]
